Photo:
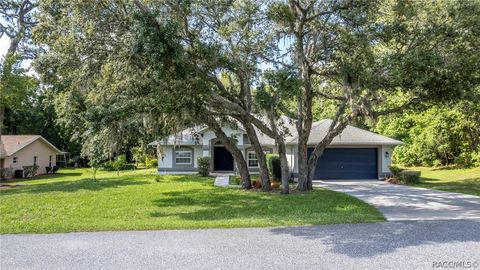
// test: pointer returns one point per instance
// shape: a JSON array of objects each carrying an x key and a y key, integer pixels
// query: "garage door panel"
[{"x": 347, "y": 163}]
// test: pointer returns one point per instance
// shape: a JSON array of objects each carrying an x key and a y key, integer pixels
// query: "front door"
[{"x": 222, "y": 159}]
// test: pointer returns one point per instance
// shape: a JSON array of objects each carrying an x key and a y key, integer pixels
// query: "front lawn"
[
  {"x": 450, "y": 179},
  {"x": 71, "y": 201}
]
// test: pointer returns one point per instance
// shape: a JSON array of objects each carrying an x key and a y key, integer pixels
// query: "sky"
[{"x": 4, "y": 43}]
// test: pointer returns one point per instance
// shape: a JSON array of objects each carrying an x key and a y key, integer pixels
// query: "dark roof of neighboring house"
[{"x": 10, "y": 144}]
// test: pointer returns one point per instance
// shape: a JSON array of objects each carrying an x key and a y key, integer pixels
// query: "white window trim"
[
  {"x": 266, "y": 152},
  {"x": 184, "y": 151},
  {"x": 248, "y": 158}
]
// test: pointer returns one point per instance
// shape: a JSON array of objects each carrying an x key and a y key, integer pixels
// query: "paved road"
[
  {"x": 398, "y": 202},
  {"x": 389, "y": 245}
]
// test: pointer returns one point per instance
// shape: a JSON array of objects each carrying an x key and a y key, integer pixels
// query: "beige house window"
[
  {"x": 15, "y": 159},
  {"x": 34, "y": 160}
]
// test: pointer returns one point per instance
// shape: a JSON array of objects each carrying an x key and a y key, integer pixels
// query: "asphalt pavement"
[{"x": 386, "y": 245}]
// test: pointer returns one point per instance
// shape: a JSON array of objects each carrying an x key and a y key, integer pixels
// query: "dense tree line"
[{"x": 440, "y": 135}]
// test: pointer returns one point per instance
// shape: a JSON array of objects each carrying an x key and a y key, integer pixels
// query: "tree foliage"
[
  {"x": 119, "y": 69},
  {"x": 440, "y": 135}
]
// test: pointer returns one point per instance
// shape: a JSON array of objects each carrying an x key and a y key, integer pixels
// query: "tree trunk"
[
  {"x": 243, "y": 171},
  {"x": 2, "y": 117},
  {"x": 262, "y": 161},
  {"x": 282, "y": 152},
  {"x": 232, "y": 148},
  {"x": 302, "y": 165},
  {"x": 317, "y": 152},
  {"x": 237, "y": 156}
]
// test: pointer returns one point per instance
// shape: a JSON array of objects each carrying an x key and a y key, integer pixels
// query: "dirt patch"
[{"x": 5, "y": 186}]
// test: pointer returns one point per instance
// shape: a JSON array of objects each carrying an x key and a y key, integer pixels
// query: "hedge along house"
[
  {"x": 17, "y": 151},
  {"x": 354, "y": 154}
]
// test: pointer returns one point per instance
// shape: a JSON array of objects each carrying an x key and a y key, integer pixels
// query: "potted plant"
[{"x": 273, "y": 164}]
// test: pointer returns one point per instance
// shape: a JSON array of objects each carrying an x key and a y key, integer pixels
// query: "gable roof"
[
  {"x": 350, "y": 136},
  {"x": 10, "y": 144}
]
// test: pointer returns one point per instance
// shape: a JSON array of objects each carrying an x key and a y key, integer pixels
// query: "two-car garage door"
[{"x": 347, "y": 163}]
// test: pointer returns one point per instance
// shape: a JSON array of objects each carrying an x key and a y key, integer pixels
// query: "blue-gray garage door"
[{"x": 347, "y": 163}]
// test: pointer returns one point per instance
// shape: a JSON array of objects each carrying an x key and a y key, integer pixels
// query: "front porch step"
[{"x": 222, "y": 181}]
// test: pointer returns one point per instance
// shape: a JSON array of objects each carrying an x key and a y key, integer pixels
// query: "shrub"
[
  {"x": 476, "y": 158},
  {"x": 203, "y": 166},
  {"x": 109, "y": 166},
  {"x": 274, "y": 166},
  {"x": 151, "y": 162},
  {"x": 6, "y": 173},
  {"x": 129, "y": 167},
  {"x": 235, "y": 180},
  {"x": 54, "y": 169},
  {"x": 395, "y": 170},
  {"x": 158, "y": 178},
  {"x": 437, "y": 163},
  {"x": 48, "y": 169},
  {"x": 29, "y": 171},
  {"x": 410, "y": 176},
  {"x": 121, "y": 162}
]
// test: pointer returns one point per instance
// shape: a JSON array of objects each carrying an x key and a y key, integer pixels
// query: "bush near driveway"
[{"x": 410, "y": 177}]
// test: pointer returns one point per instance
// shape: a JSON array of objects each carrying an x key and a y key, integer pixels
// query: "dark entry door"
[
  {"x": 347, "y": 163},
  {"x": 222, "y": 159}
]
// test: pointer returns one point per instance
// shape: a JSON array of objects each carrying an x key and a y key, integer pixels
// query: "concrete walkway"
[
  {"x": 383, "y": 245},
  {"x": 398, "y": 202},
  {"x": 222, "y": 181}
]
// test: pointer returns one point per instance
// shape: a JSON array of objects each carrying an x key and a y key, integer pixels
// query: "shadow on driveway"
[
  {"x": 367, "y": 240},
  {"x": 398, "y": 202}
]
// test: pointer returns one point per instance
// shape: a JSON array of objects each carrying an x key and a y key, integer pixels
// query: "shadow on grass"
[
  {"x": 42, "y": 177},
  {"x": 317, "y": 207},
  {"x": 448, "y": 168},
  {"x": 468, "y": 186},
  {"x": 72, "y": 186},
  {"x": 368, "y": 240}
]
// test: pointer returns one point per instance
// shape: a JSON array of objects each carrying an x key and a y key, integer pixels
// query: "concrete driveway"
[{"x": 398, "y": 202}]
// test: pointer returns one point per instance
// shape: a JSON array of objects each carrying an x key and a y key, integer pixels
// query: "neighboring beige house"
[{"x": 17, "y": 151}]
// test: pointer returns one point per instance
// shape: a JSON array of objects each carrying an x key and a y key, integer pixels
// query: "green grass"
[
  {"x": 236, "y": 180},
  {"x": 450, "y": 179},
  {"x": 72, "y": 201}
]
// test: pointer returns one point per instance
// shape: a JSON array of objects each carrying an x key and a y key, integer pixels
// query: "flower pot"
[{"x": 275, "y": 184}]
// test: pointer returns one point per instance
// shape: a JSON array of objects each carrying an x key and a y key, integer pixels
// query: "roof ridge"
[{"x": 374, "y": 133}]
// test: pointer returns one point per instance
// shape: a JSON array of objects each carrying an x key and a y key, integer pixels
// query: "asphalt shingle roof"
[
  {"x": 10, "y": 144},
  {"x": 350, "y": 136}
]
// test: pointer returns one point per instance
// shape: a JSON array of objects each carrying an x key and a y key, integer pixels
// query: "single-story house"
[
  {"x": 354, "y": 154},
  {"x": 17, "y": 151}
]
